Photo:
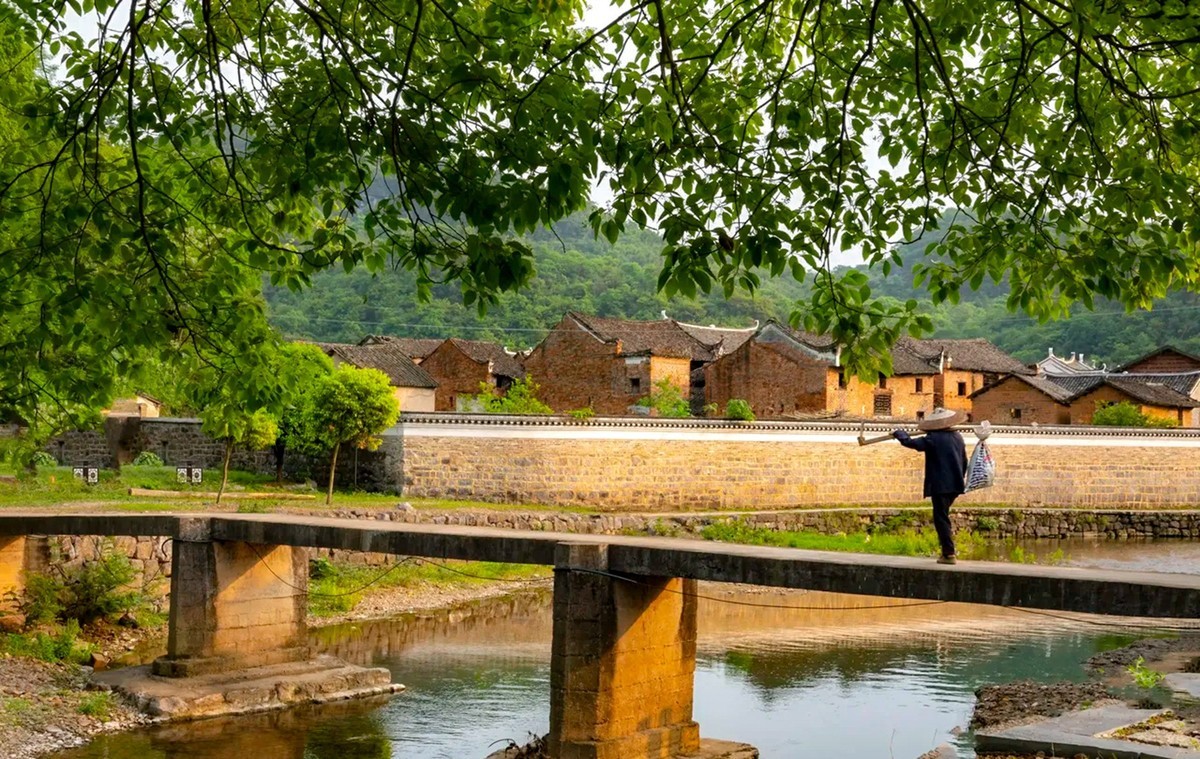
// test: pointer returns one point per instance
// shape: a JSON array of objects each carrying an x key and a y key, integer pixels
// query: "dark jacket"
[{"x": 945, "y": 460}]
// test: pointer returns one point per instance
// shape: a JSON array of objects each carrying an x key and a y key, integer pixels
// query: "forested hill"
[{"x": 575, "y": 271}]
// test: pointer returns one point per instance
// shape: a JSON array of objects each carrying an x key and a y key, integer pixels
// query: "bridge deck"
[{"x": 1143, "y": 594}]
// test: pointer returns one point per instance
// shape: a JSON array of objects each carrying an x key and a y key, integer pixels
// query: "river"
[{"x": 829, "y": 675}]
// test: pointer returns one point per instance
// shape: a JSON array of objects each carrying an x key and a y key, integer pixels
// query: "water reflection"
[
  {"x": 827, "y": 676},
  {"x": 350, "y": 730}
]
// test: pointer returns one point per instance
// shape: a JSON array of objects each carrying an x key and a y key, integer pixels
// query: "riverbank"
[{"x": 48, "y": 706}]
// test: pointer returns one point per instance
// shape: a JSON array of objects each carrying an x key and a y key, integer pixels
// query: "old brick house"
[
  {"x": 962, "y": 367},
  {"x": 609, "y": 364},
  {"x": 460, "y": 367},
  {"x": 1165, "y": 360},
  {"x": 783, "y": 372},
  {"x": 416, "y": 348},
  {"x": 413, "y": 387},
  {"x": 1075, "y": 398}
]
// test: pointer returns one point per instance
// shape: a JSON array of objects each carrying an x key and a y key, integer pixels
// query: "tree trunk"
[
  {"x": 332, "y": 472},
  {"x": 225, "y": 469},
  {"x": 280, "y": 450},
  {"x": 356, "y": 468}
]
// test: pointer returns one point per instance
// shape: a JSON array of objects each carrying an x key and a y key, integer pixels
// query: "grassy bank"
[
  {"x": 336, "y": 588},
  {"x": 898, "y": 539},
  {"x": 53, "y": 486}
]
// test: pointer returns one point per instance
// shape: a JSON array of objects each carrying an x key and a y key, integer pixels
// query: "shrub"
[
  {"x": 667, "y": 400},
  {"x": 581, "y": 413},
  {"x": 987, "y": 524},
  {"x": 1126, "y": 414},
  {"x": 42, "y": 460},
  {"x": 520, "y": 398},
  {"x": 147, "y": 458},
  {"x": 63, "y": 645},
  {"x": 83, "y": 594},
  {"x": 739, "y": 409}
]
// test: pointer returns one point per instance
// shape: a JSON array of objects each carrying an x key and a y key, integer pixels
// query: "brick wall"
[
  {"x": 1165, "y": 363},
  {"x": 765, "y": 379},
  {"x": 949, "y": 384},
  {"x": 457, "y": 374},
  {"x": 745, "y": 468},
  {"x": 576, "y": 370},
  {"x": 677, "y": 371},
  {"x": 1035, "y": 407},
  {"x": 1085, "y": 406}
]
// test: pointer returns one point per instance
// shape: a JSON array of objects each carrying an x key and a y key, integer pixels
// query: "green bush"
[
  {"x": 1126, "y": 414},
  {"x": 581, "y": 413},
  {"x": 666, "y": 400},
  {"x": 519, "y": 398},
  {"x": 63, "y": 645},
  {"x": 987, "y": 524},
  {"x": 83, "y": 594},
  {"x": 147, "y": 458},
  {"x": 739, "y": 409},
  {"x": 42, "y": 460}
]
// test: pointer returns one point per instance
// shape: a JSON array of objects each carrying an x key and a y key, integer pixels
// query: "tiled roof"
[
  {"x": 503, "y": 364},
  {"x": 974, "y": 355},
  {"x": 413, "y": 347},
  {"x": 1159, "y": 352},
  {"x": 385, "y": 357},
  {"x": 1075, "y": 384},
  {"x": 910, "y": 357},
  {"x": 721, "y": 340},
  {"x": 660, "y": 337},
  {"x": 1054, "y": 390},
  {"x": 1171, "y": 390},
  {"x": 1152, "y": 393}
]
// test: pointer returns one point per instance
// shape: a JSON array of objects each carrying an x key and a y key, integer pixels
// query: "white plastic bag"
[{"x": 981, "y": 470}]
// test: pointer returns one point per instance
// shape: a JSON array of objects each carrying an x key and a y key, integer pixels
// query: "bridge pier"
[
  {"x": 234, "y": 605},
  {"x": 622, "y": 662},
  {"x": 12, "y": 580}
]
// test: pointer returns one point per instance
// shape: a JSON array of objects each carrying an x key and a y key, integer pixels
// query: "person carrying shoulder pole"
[{"x": 945, "y": 469}]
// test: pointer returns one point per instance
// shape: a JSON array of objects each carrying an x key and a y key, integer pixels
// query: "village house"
[
  {"x": 416, "y": 348},
  {"x": 461, "y": 367},
  {"x": 413, "y": 387},
  {"x": 1166, "y": 360},
  {"x": 1073, "y": 397},
  {"x": 782, "y": 372},
  {"x": 1059, "y": 366},
  {"x": 609, "y": 364}
]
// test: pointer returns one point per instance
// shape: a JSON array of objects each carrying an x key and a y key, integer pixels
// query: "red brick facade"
[
  {"x": 577, "y": 369},
  {"x": 1164, "y": 361},
  {"x": 457, "y": 375},
  {"x": 1085, "y": 406},
  {"x": 771, "y": 382},
  {"x": 1013, "y": 401}
]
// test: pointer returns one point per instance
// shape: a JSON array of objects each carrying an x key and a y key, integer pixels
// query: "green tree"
[
  {"x": 250, "y": 431},
  {"x": 188, "y": 142},
  {"x": 519, "y": 398},
  {"x": 309, "y": 365},
  {"x": 349, "y": 407}
]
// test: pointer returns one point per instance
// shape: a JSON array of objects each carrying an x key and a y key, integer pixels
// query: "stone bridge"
[{"x": 624, "y": 619}]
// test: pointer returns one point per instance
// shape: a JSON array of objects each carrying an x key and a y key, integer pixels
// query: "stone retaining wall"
[
  {"x": 625, "y": 465},
  {"x": 997, "y": 523}
]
